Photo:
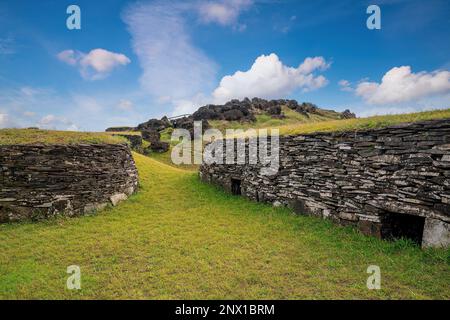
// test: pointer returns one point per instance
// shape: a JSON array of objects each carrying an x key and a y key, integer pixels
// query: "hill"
[
  {"x": 251, "y": 113},
  {"x": 255, "y": 113}
]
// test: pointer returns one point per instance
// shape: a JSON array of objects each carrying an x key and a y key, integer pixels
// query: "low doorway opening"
[
  {"x": 236, "y": 187},
  {"x": 397, "y": 225}
]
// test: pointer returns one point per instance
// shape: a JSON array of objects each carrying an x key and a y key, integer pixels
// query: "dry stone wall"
[
  {"x": 391, "y": 182},
  {"x": 41, "y": 181}
]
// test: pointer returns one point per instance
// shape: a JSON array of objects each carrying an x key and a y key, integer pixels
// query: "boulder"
[
  {"x": 154, "y": 124},
  {"x": 274, "y": 110},
  {"x": 117, "y": 198},
  {"x": 158, "y": 146},
  {"x": 151, "y": 135},
  {"x": 207, "y": 113},
  {"x": 135, "y": 140},
  {"x": 188, "y": 124},
  {"x": 233, "y": 115},
  {"x": 347, "y": 114}
]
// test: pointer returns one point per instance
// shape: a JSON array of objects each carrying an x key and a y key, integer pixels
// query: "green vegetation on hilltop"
[
  {"x": 30, "y": 136},
  {"x": 374, "y": 122},
  {"x": 179, "y": 238}
]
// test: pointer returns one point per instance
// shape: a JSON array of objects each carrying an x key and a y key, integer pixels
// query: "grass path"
[{"x": 178, "y": 238}]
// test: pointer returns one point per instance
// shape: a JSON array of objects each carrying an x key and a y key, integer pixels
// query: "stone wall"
[
  {"x": 41, "y": 181},
  {"x": 391, "y": 182}
]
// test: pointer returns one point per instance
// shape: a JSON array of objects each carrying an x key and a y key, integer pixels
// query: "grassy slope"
[
  {"x": 296, "y": 123},
  {"x": 266, "y": 121},
  {"x": 180, "y": 238},
  {"x": 373, "y": 122},
  {"x": 27, "y": 136}
]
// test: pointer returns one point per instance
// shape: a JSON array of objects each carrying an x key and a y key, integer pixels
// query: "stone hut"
[
  {"x": 39, "y": 181},
  {"x": 390, "y": 183}
]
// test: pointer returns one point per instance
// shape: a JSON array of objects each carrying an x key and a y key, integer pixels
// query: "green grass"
[
  {"x": 374, "y": 122},
  {"x": 166, "y": 158},
  {"x": 30, "y": 136},
  {"x": 181, "y": 239}
]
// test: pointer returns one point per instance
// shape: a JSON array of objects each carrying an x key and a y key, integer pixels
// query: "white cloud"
[
  {"x": 95, "y": 65},
  {"x": 4, "y": 121},
  {"x": 52, "y": 122},
  {"x": 270, "y": 78},
  {"x": 103, "y": 61},
  {"x": 81, "y": 111},
  {"x": 312, "y": 64},
  {"x": 345, "y": 85},
  {"x": 400, "y": 85},
  {"x": 69, "y": 56},
  {"x": 223, "y": 12},
  {"x": 173, "y": 68},
  {"x": 125, "y": 105}
]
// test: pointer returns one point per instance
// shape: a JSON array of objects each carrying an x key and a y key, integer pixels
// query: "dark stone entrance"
[
  {"x": 396, "y": 226},
  {"x": 236, "y": 187}
]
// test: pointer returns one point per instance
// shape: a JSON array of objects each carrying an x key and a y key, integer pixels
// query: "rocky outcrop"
[
  {"x": 42, "y": 181},
  {"x": 157, "y": 146},
  {"x": 135, "y": 140},
  {"x": 154, "y": 124},
  {"x": 391, "y": 182},
  {"x": 151, "y": 135},
  {"x": 246, "y": 110},
  {"x": 347, "y": 114},
  {"x": 187, "y": 123},
  {"x": 233, "y": 110}
]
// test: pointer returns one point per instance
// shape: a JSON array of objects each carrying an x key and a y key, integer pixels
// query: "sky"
[{"x": 136, "y": 60}]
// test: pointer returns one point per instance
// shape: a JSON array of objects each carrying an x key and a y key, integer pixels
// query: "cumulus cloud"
[
  {"x": 180, "y": 75},
  {"x": 95, "y": 65},
  {"x": 223, "y": 12},
  {"x": 270, "y": 78},
  {"x": 401, "y": 85}
]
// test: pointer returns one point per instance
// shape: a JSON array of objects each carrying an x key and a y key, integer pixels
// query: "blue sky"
[{"x": 134, "y": 60}]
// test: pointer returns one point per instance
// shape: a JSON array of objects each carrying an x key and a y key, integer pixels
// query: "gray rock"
[
  {"x": 436, "y": 234},
  {"x": 117, "y": 198}
]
